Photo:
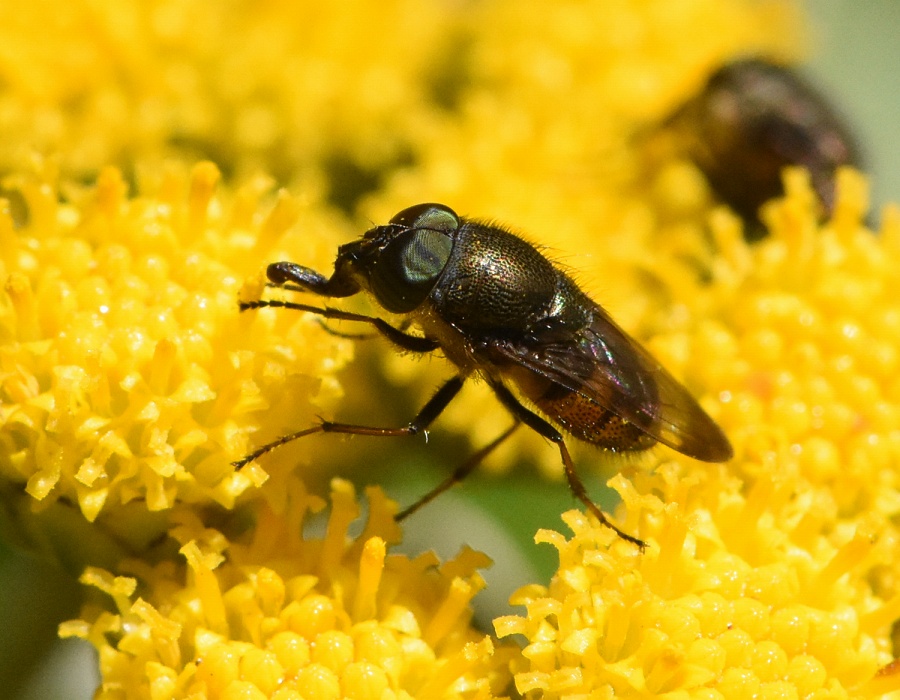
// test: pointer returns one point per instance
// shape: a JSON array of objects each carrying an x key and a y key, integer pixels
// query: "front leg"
[
  {"x": 297, "y": 278},
  {"x": 404, "y": 341}
]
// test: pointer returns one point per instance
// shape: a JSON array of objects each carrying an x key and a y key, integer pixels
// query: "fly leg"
[
  {"x": 405, "y": 341},
  {"x": 460, "y": 473},
  {"x": 431, "y": 410},
  {"x": 543, "y": 428}
]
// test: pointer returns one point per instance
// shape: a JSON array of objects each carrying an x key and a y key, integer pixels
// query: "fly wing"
[{"x": 605, "y": 365}]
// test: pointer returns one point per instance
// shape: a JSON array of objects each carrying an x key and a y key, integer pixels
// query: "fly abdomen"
[{"x": 589, "y": 421}]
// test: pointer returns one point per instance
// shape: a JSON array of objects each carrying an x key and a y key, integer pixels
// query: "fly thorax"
[{"x": 494, "y": 280}]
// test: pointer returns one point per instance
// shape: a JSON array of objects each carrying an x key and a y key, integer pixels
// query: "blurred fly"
[{"x": 751, "y": 120}]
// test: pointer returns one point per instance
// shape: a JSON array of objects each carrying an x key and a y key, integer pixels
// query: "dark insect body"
[
  {"x": 751, "y": 120},
  {"x": 499, "y": 309}
]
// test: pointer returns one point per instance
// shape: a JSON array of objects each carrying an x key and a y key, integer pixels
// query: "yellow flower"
[
  {"x": 284, "y": 616},
  {"x": 774, "y": 575},
  {"x": 290, "y": 88},
  {"x": 129, "y": 378}
]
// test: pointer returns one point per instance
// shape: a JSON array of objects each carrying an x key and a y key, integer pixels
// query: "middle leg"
[
  {"x": 543, "y": 428},
  {"x": 431, "y": 410}
]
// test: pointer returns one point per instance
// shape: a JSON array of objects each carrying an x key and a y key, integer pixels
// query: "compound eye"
[
  {"x": 408, "y": 268},
  {"x": 430, "y": 216}
]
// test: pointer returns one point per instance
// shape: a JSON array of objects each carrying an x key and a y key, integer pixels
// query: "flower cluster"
[
  {"x": 128, "y": 374},
  {"x": 772, "y": 576},
  {"x": 136, "y": 219},
  {"x": 290, "y": 88},
  {"x": 286, "y": 617}
]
